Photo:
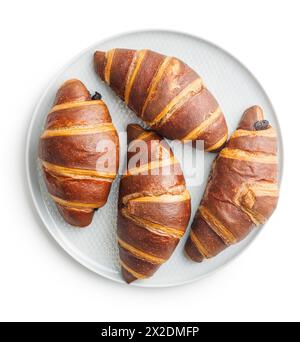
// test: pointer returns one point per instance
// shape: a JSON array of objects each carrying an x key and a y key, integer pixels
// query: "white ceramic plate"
[{"x": 95, "y": 247}]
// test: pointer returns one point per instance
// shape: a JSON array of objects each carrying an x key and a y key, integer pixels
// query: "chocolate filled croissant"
[
  {"x": 166, "y": 93},
  {"x": 242, "y": 190},
  {"x": 79, "y": 153},
  {"x": 154, "y": 205}
]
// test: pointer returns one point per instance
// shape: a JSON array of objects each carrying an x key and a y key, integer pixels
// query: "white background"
[{"x": 38, "y": 280}]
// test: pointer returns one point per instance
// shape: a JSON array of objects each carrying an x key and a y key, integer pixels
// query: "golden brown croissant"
[
  {"x": 242, "y": 190},
  {"x": 77, "y": 131},
  {"x": 166, "y": 93},
  {"x": 154, "y": 206}
]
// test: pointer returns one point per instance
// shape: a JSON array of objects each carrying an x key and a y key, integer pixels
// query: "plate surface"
[{"x": 95, "y": 247}]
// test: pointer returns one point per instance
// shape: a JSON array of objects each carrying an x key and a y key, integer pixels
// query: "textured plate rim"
[{"x": 34, "y": 198}]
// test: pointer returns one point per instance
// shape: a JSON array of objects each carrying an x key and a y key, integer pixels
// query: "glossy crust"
[
  {"x": 166, "y": 93},
  {"x": 242, "y": 190},
  {"x": 154, "y": 208},
  {"x": 71, "y": 151}
]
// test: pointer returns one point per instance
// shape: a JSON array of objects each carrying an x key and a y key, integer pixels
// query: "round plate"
[{"x": 95, "y": 246}]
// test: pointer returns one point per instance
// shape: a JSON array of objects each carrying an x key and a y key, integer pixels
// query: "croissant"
[
  {"x": 154, "y": 205},
  {"x": 166, "y": 93},
  {"x": 242, "y": 190},
  {"x": 78, "y": 131}
]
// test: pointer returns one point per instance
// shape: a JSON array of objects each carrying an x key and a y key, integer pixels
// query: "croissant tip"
[
  {"x": 76, "y": 218},
  {"x": 250, "y": 117},
  {"x": 99, "y": 63},
  {"x": 98, "y": 54},
  {"x": 255, "y": 109},
  {"x": 133, "y": 131},
  {"x": 72, "y": 80},
  {"x": 128, "y": 277},
  {"x": 71, "y": 84},
  {"x": 71, "y": 90},
  {"x": 191, "y": 253},
  {"x": 134, "y": 127},
  {"x": 129, "y": 281}
]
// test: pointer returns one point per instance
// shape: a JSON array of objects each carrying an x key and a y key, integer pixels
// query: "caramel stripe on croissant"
[
  {"x": 121, "y": 63},
  {"x": 237, "y": 223},
  {"x": 166, "y": 198},
  {"x": 78, "y": 205},
  {"x": 218, "y": 144},
  {"x": 153, "y": 227},
  {"x": 145, "y": 135},
  {"x": 142, "y": 82},
  {"x": 242, "y": 190},
  {"x": 140, "y": 254},
  {"x": 149, "y": 138},
  {"x": 192, "y": 252},
  {"x": 217, "y": 226},
  {"x": 78, "y": 130},
  {"x": 145, "y": 168},
  {"x": 200, "y": 247},
  {"x": 151, "y": 185},
  {"x": 205, "y": 243},
  {"x": 132, "y": 73},
  {"x": 248, "y": 156},
  {"x": 264, "y": 189},
  {"x": 248, "y": 194},
  {"x": 77, "y": 189},
  {"x": 198, "y": 130},
  {"x": 168, "y": 210},
  {"x": 77, "y": 173},
  {"x": 130, "y": 270},
  {"x": 80, "y": 116},
  {"x": 109, "y": 58},
  {"x": 270, "y": 133},
  {"x": 136, "y": 264},
  {"x": 75, "y": 104},
  {"x": 215, "y": 135},
  {"x": 158, "y": 245},
  {"x": 154, "y": 83}
]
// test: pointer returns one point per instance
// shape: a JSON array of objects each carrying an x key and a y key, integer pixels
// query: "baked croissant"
[
  {"x": 242, "y": 190},
  {"x": 79, "y": 152},
  {"x": 154, "y": 205},
  {"x": 166, "y": 93}
]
